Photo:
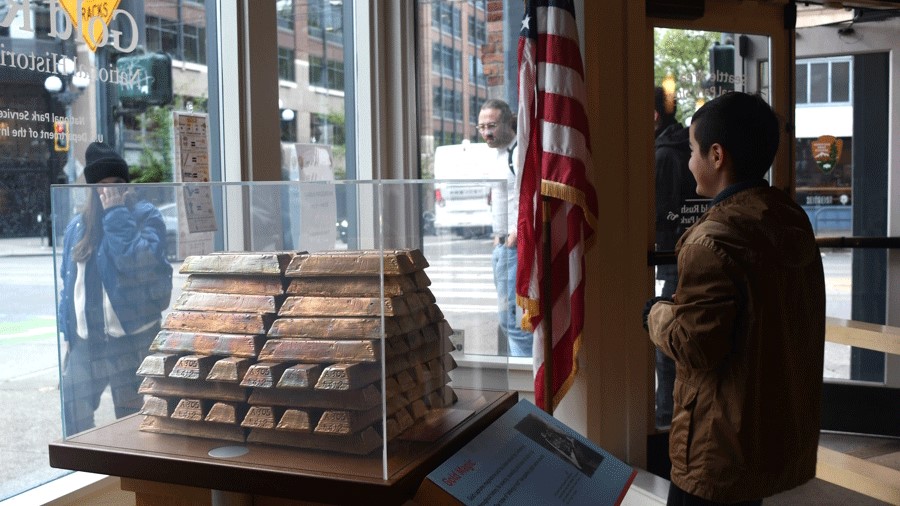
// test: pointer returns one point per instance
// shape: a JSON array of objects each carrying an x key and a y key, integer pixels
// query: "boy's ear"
[{"x": 718, "y": 155}]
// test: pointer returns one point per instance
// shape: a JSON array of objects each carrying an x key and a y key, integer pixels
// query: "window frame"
[{"x": 808, "y": 63}]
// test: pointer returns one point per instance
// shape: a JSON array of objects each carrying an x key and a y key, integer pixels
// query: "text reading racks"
[{"x": 286, "y": 349}]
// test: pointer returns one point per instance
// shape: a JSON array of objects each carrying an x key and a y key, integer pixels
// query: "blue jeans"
[
  {"x": 92, "y": 364},
  {"x": 665, "y": 366},
  {"x": 504, "y": 261}
]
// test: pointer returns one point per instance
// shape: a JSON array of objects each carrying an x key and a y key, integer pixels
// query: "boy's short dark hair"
[{"x": 745, "y": 126}]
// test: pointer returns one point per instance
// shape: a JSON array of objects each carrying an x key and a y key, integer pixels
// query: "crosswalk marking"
[{"x": 35, "y": 332}]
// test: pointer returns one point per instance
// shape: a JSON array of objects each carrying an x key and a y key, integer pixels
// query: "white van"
[{"x": 462, "y": 196}]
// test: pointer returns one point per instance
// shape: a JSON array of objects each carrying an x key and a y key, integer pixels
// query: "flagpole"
[{"x": 547, "y": 310}]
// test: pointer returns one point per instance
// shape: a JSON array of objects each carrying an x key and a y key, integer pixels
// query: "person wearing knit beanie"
[
  {"x": 102, "y": 162},
  {"x": 116, "y": 282}
]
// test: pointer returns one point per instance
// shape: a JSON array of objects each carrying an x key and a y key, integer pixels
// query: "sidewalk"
[{"x": 25, "y": 246}]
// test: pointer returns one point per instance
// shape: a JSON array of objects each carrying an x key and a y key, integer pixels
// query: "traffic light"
[
  {"x": 721, "y": 67},
  {"x": 60, "y": 136},
  {"x": 145, "y": 80}
]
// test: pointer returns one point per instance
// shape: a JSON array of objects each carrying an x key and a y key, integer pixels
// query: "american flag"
[{"x": 555, "y": 162}]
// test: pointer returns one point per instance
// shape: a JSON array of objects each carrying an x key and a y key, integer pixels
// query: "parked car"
[{"x": 462, "y": 195}]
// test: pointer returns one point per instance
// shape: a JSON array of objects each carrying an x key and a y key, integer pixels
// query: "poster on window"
[{"x": 195, "y": 207}]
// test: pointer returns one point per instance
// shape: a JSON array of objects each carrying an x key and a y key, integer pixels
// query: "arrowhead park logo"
[{"x": 826, "y": 151}]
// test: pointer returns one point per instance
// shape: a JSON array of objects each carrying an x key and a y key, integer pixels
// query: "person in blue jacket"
[{"x": 116, "y": 283}]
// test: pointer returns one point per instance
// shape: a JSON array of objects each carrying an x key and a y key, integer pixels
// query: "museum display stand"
[{"x": 298, "y": 362}]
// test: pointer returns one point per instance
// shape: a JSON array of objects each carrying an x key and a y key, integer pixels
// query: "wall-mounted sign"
[{"x": 826, "y": 151}]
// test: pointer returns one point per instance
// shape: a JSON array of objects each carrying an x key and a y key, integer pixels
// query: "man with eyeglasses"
[{"x": 496, "y": 124}]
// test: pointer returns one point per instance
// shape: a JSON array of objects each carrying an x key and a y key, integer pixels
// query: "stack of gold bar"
[
  {"x": 353, "y": 336},
  {"x": 346, "y": 330},
  {"x": 193, "y": 376}
]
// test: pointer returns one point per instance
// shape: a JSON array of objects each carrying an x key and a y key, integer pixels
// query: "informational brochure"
[
  {"x": 195, "y": 207},
  {"x": 529, "y": 457},
  {"x": 192, "y": 166}
]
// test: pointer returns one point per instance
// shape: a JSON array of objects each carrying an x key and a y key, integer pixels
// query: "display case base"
[{"x": 160, "y": 467}]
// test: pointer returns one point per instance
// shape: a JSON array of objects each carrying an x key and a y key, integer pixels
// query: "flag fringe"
[
  {"x": 570, "y": 380},
  {"x": 569, "y": 194},
  {"x": 531, "y": 307}
]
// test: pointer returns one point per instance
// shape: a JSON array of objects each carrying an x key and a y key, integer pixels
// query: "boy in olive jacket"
[{"x": 746, "y": 326}]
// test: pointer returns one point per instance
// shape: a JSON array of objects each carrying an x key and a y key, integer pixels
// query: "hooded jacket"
[
  {"x": 674, "y": 184},
  {"x": 746, "y": 331},
  {"x": 131, "y": 263}
]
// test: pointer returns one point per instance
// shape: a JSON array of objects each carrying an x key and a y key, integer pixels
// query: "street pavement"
[
  {"x": 29, "y": 365},
  {"x": 25, "y": 246}
]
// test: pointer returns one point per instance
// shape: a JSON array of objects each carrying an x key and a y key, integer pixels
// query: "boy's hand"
[{"x": 649, "y": 305}]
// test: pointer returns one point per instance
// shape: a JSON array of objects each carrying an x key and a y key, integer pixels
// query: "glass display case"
[{"x": 332, "y": 332}]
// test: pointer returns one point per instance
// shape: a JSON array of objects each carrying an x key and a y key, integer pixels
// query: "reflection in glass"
[{"x": 690, "y": 68}]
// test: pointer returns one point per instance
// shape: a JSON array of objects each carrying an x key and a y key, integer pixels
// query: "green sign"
[{"x": 145, "y": 79}]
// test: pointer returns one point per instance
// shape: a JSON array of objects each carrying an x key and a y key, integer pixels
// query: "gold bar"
[
  {"x": 204, "y": 343},
  {"x": 355, "y": 286},
  {"x": 160, "y": 425},
  {"x": 227, "y": 302},
  {"x": 193, "y": 367},
  {"x": 177, "y": 387},
  {"x": 226, "y": 412},
  {"x": 321, "y": 350},
  {"x": 158, "y": 406},
  {"x": 299, "y": 305},
  {"x": 360, "y": 443},
  {"x": 357, "y": 263},
  {"x": 361, "y": 399},
  {"x": 248, "y": 285},
  {"x": 263, "y": 374},
  {"x": 348, "y": 376},
  {"x": 232, "y": 263},
  {"x": 297, "y": 420},
  {"x": 341, "y": 421},
  {"x": 229, "y": 369},
  {"x": 300, "y": 376},
  {"x": 326, "y": 327},
  {"x": 157, "y": 364},
  {"x": 263, "y": 417},
  {"x": 227, "y": 323},
  {"x": 194, "y": 410}
]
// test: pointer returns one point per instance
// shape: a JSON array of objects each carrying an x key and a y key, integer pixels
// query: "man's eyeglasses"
[{"x": 486, "y": 126}]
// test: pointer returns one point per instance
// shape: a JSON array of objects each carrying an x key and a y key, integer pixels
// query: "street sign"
[{"x": 145, "y": 79}]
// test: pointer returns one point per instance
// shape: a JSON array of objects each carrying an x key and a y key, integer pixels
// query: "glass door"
[{"x": 844, "y": 180}]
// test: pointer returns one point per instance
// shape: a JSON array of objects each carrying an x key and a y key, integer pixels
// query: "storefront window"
[
  {"x": 459, "y": 68},
  {"x": 61, "y": 88}
]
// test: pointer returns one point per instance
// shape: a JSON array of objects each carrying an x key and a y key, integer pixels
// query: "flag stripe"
[
  {"x": 562, "y": 53},
  {"x": 564, "y": 109},
  {"x": 565, "y": 141}
]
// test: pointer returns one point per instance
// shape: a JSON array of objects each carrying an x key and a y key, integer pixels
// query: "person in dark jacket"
[
  {"x": 675, "y": 188},
  {"x": 746, "y": 326},
  {"x": 116, "y": 282}
]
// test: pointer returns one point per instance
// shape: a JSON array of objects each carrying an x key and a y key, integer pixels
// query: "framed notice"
[
  {"x": 195, "y": 207},
  {"x": 529, "y": 457}
]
